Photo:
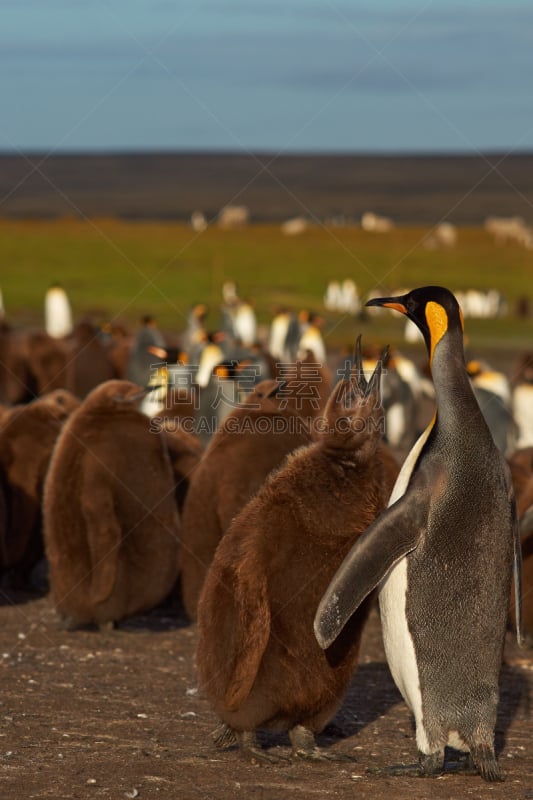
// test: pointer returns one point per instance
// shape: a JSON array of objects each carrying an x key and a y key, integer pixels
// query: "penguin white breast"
[{"x": 397, "y": 639}]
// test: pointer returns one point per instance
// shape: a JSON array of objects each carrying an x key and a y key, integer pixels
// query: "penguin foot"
[
  {"x": 250, "y": 750},
  {"x": 480, "y": 761},
  {"x": 67, "y": 623},
  {"x": 429, "y": 766},
  {"x": 484, "y": 760},
  {"x": 304, "y": 747},
  {"x": 224, "y": 736},
  {"x": 106, "y": 627}
]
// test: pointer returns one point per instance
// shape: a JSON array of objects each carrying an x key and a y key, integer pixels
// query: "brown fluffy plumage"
[
  {"x": 185, "y": 451},
  {"x": 111, "y": 523},
  {"x": 240, "y": 455},
  {"x": 88, "y": 362},
  {"x": 258, "y": 660},
  {"x": 27, "y": 437}
]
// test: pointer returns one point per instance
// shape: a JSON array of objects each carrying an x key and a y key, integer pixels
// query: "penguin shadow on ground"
[
  {"x": 12, "y": 594},
  {"x": 169, "y": 615},
  {"x": 24, "y": 584},
  {"x": 158, "y": 620},
  {"x": 371, "y": 695},
  {"x": 515, "y": 700}
]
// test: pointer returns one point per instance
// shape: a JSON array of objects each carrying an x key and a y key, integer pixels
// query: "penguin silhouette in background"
[
  {"x": 442, "y": 555},
  {"x": 493, "y": 394}
]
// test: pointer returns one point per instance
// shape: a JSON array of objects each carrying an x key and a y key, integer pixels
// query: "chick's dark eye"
[{"x": 260, "y": 394}]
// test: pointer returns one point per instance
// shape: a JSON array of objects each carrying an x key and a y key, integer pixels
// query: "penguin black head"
[{"x": 433, "y": 309}]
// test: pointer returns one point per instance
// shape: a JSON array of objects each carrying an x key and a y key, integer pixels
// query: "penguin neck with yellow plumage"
[{"x": 437, "y": 314}]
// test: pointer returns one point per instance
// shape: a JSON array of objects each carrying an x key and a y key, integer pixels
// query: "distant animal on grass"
[
  {"x": 258, "y": 662},
  {"x": 110, "y": 518}
]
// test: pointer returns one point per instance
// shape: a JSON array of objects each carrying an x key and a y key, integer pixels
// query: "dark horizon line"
[{"x": 208, "y": 152}]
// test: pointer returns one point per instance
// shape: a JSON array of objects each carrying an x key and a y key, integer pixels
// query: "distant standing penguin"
[
  {"x": 493, "y": 394},
  {"x": 522, "y": 401},
  {"x": 57, "y": 312},
  {"x": 148, "y": 348},
  {"x": 110, "y": 518},
  {"x": 442, "y": 556},
  {"x": 258, "y": 662}
]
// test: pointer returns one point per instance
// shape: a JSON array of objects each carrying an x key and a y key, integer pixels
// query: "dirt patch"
[{"x": 118, "y": 715}]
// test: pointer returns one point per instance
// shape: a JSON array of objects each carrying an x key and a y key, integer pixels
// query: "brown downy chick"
[
  {"x": 111, "y": 523},
  {"x": 185, "y": 451},
  {"x": 28, "y": 434},
  {"x": 258, "y": 660},
  {"x": 253, "y": 440}
]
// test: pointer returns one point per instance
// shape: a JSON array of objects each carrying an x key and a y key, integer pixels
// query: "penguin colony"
[{"x": 259, "y": 534}]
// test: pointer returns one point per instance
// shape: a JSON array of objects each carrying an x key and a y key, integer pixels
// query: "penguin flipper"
[
  {"x": 394, "y": 534},
  {"x": 251, "y": 632}
]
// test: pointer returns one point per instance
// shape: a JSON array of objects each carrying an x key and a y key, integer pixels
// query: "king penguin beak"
[{"x": 388, "y": 302}]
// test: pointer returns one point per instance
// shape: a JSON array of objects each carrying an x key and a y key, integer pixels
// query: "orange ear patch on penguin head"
[{"x": 437, "y": 320}]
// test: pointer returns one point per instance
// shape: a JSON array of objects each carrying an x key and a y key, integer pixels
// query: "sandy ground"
[{"x": 118, "y": 715}]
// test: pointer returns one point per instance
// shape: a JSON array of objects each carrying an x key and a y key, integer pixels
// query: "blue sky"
[{"x": 275, "y": 75}]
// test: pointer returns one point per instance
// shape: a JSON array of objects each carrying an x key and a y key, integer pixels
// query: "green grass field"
[{"x": 119, "y": 270}]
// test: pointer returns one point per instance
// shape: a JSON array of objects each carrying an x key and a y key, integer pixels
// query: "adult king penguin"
[{"x": 442, "y": 555}]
